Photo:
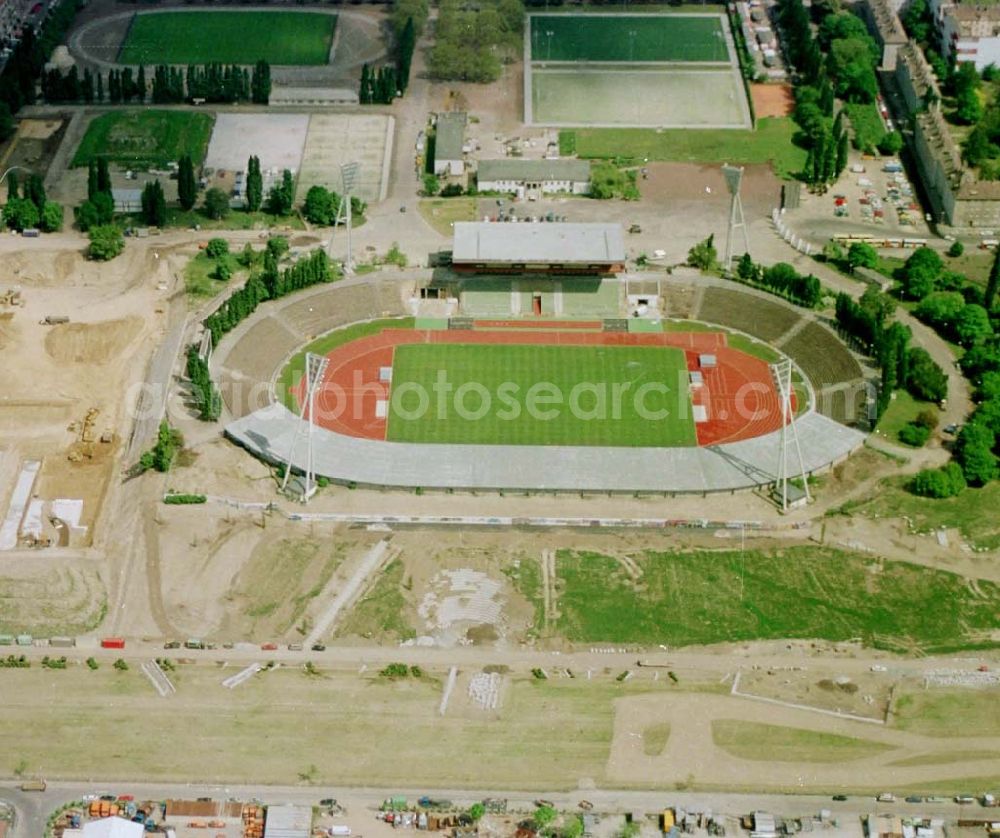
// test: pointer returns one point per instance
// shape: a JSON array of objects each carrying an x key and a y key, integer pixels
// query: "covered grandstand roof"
[
  {"x": 585, "y": 244},
  {"x": 271, "y": 434},
  {"x": 511, "y": 168}
]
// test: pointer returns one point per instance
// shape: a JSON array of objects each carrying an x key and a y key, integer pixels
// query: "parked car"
[
  {"x": 840, "y": 797},
  {"x": 914, "y": 798},
  {"x": 318, "y": 647}
]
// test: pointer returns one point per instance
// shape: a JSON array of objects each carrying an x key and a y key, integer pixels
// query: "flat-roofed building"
[
  {"x": 546, "y": 248},
  {"x": 534, "y": 176},
  {"x": 449, "y": 142}
]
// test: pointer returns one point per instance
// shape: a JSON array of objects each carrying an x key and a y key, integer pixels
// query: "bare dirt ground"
[{"x": 772, "y": 100}]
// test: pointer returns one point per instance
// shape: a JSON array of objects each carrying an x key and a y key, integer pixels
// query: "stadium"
[{"x": 534, "y": 363}]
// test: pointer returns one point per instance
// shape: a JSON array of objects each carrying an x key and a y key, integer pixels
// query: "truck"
[
  {"x": 33, "y": 785},
  {"x": 193, "y": 643},
  {"x": 54, "y": 319},
  {"x": 112, "y": 642},
  {"x": 433, "y": 803}
]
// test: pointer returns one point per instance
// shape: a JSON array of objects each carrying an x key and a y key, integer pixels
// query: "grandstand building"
[{"x": 538, "y": 248}]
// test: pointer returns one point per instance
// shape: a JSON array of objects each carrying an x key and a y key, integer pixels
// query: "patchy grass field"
[
  {"x": 442, "y": 213},
  {"x": 279, "y": 726},
  {"x": 59, "y": 601},
  {"x": 382, "y": 613},
  {"x": 295, "y": 368},
  {"x": 943, "y": 712},
  {"x": 770, "y": 142},
  {"x": 199, "y": 275},
  {"x": 973, "y": 512},
  {"x": 654, "y": 739},
  {"x": 578, "y": 374},
  {"x": 279, "y": 581},
  {"x": 244, "y": 37},
  {"x": 777, "y": 743},
  {"x": 145, "y": 138},
  {"x": 902, "y": 410},
  {"x": 704, "y": 597}
]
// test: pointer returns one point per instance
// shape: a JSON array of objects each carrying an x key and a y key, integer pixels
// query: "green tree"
[
  {"x": 51, "y": 220},
  {"x": 103, "y": 175},
  {"x": 891, "y": 143},
  {"x": 974, "y": 453},
  {"x": 216, "y": 248},
  {"x": 476, "y": 811},
  {"x": 704, "y": 256},
  {"x": 320, "y": 206},
  {"x": 20, "y": 214},
  {"x": 431, "y": 185},
  {"x": 154, "y": 204},
  {"x": 921, "y": 272},
  {"x": 223, "y": 273},
  {"x": 85, "y": 216},
  {"x": 941, "y": 309},
  {"x": 216, "y": 204},
  {"x": 945, "y": 482},
  {"x": 255, "y": 184},
  {"x": 544, "y": 815},
  {"x": 862, "y": 255},
  {"x": 7, "y": 124},
  {"x": 34, "y": 191},
  {"x": 106, "y": 242},
  {"x": 972, "y": 325},
  {"x": 925, "y": 380},
  {"x": 187, "y": 185},
  {"x": 279, "y": 199},
  {"x": 993, "y": 283},
  {"x": 956, "y": 249}
]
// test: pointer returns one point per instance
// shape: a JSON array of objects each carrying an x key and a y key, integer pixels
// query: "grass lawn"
[
  {"x": 294, "y": 369},
  {"x": 199, "y": 275},
  {"x": 145, "y": 138},
  {"x": 244, "y": 37},
  {"x": 944, "y": 712},
  {"x": 632, "y": 38},
  {"x": 704, "y": 597},
  {"x": 973, "y": 264},
  {"x": 235, "y": 220},
  {"x": 973, "y": 512},
  {"x": 442, "y": 213},
  {"x": 576, "y": 405},
  {"x": 771, "y": 142},
  {"x": 777, "y": 743},
  {"x": 279, "y": 726},
  {"x": 902, "y": 410}
]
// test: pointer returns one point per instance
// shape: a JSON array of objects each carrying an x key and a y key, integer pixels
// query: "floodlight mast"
[
  {"x": 349, "y": 178},
  {"x": 315, "y": 369},
  {"x": 734, "y": 179},
  {"x": 782, "y": 374}
]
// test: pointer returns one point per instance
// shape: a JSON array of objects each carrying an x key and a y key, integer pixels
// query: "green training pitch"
[
  {"x": 141, "y": 138},
  {"x": 195, "y": 37},
  {"x": 631, "y": 38},
  {"x": 652, "y": 408}
]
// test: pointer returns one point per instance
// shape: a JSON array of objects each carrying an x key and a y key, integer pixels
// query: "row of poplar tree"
[{"x": 210, "y": 82}]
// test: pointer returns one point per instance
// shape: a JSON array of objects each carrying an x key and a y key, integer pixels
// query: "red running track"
[{"x": 738, "y": 393}]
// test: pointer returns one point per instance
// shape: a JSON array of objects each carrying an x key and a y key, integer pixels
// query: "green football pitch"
[
  {"x": 540, "y": 395},
  {"x": 628, "y": 38},
  {"x": 196, "y": 37}
]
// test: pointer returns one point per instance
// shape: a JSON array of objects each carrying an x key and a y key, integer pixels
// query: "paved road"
[{"x": 33, "y": 808}]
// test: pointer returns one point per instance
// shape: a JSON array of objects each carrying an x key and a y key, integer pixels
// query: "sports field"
[
  {"x": 243, "y": 37},
  {"x": 540, "y": 395},
  {"x": 629, "y": 38},
  {"x": 648, "y": 70},
  {"x": 138, "y": 138},
  {"x": 637, "y": 96}
]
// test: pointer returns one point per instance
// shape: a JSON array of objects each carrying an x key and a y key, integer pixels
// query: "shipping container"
[
  {"x": 6, "y": 639},
  {"x": 113, "y": 643},
  {"x": 24, "y": 640},
  {"x": 33, "y": 785},
  {"x": 63, "y": 642}
]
